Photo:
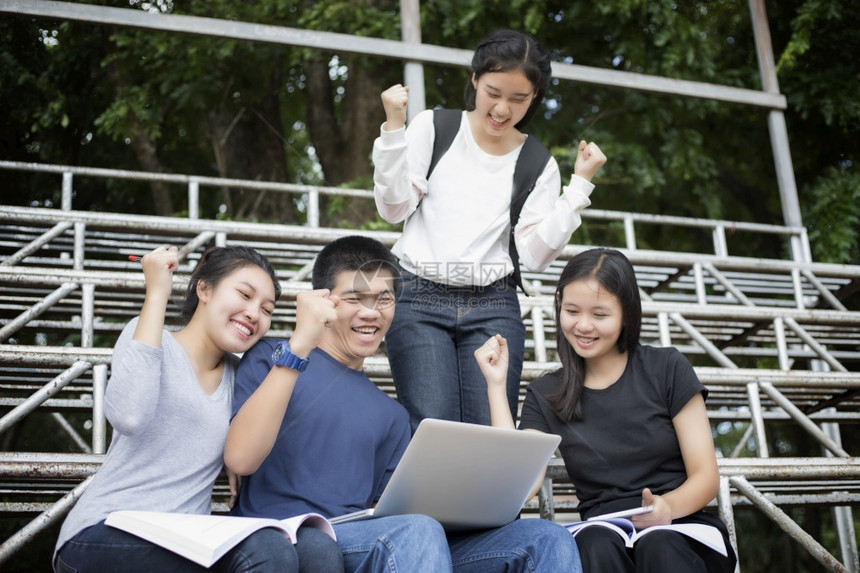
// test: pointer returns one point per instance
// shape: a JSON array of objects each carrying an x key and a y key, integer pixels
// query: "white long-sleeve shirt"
[{"x": 459, "y": 235}]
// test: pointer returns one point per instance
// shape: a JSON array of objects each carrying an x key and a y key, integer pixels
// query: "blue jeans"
[
  {"x": 400, "y": 543},
  {"x": 101, "y": 548},
  {"x": 418, "y": 544},
  {"x": 524, "y": 545},
  {"x": 432, "y": 341}
]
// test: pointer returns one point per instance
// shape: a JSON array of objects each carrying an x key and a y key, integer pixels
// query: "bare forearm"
[
  {"x": 158, "y": 267},
  {"x": 693, "y": 494},
  {"x": 151, "y": 323},
  {"x": 255, "y": 427},
  {"x": 500, "y": 417},
  {"x": 697, "y": 448},
  {"x": 500, "y": 411}
]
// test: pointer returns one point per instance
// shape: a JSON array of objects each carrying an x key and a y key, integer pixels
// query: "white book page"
[{"x": 706, "y": 534}]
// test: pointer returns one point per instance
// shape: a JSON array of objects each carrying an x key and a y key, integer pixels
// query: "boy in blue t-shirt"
[{"x": 311, "y": 432}]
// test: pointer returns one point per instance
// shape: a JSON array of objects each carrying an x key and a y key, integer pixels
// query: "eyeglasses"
[{"x": 381, "y": 301}]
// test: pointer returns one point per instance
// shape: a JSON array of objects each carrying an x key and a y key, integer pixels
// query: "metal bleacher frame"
[{"x": 65, "y": 271}]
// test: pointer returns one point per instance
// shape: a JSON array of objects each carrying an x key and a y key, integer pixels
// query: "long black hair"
[
  {"x": 613, "y": 271},
  {"x": 217, "y": 263},
  {"x": 507, "y": 50}
]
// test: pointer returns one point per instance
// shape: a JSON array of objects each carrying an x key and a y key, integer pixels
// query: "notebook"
[{"x": 466, "y": 476}]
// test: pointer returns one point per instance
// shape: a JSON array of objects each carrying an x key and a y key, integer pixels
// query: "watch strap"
[{"x": 283, "y": 357}]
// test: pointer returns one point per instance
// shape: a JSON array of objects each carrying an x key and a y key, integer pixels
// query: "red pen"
[{"x": 135, "y": 258}]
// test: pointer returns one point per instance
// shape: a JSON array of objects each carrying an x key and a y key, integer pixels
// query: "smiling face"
[
  {"x": 364, "y": 314},
  {"x": 591, "y": 319},
  {"x": 501, "y": 100},
  {"x": 238, "y": 309}
]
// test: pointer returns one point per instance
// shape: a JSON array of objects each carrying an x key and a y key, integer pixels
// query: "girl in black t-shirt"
[{"x": 632, "y": 419}]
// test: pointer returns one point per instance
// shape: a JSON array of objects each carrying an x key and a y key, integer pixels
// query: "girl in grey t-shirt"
[{"x": 169, "y": 402}]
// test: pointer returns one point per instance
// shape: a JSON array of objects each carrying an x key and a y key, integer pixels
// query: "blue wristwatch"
[{"x": 282, "y": 356}]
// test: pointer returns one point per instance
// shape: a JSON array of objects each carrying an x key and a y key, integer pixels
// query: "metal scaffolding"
[{"x": 65, "y": 271}]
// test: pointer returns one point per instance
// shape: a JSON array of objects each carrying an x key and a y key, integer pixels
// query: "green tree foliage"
[
  {"x": 81, "y": 94},
  {"x": 834, "y": 215},
  {"x": 210, "y": 106},
  {"x": 174, "y": 103},
  {"x": 815, "y": 41}
]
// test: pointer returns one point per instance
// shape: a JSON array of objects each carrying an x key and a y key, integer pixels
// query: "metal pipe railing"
[
  {"x": 37, "y": 243},
  {"x": 48, "y": 390},
  {"x": 43, "y": 521},
  {"x": 37, "y": 309},
  {"x": 697, "y": 272},
  {"x": 787, "y": 524},
  {"x": 313, "y": 192}
]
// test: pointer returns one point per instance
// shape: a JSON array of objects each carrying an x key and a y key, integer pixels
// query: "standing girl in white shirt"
[{"x": 458, "y": 269}]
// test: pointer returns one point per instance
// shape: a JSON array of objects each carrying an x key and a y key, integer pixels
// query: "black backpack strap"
[
  {"x": 446, "y": 124},
  {"x": 530, "y": 164}
]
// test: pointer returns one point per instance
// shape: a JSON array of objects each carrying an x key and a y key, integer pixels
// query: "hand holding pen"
[{"x": 158, "y": 267}]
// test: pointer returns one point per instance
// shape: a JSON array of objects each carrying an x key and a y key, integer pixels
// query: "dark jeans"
[
  {"x": 101, "y": 548},
  {"x": 432, "y": 341}
]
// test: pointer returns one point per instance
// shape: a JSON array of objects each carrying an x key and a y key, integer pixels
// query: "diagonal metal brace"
[{"x": 787, "y": 524}]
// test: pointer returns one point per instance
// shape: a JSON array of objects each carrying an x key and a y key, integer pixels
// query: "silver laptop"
[{"x": 466, "y": 476}]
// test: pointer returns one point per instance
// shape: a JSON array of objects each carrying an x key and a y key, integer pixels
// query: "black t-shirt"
[{"x": 625, "y": 441}]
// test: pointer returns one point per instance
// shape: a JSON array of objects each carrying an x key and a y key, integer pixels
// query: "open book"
[
  {"x": 707, "y": 534},
  {"x": 206, "y": 538}
]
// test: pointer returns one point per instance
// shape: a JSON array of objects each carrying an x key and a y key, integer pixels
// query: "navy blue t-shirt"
[{"x": 339, "y": 442}]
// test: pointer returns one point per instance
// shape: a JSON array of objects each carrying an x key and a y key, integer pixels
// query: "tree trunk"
[
  {"x": 343, "y": 135},
  {"x": 248, "y": 144},
  {"x": 144, "y": 147},
  {"x": 146, "y": 151}
]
